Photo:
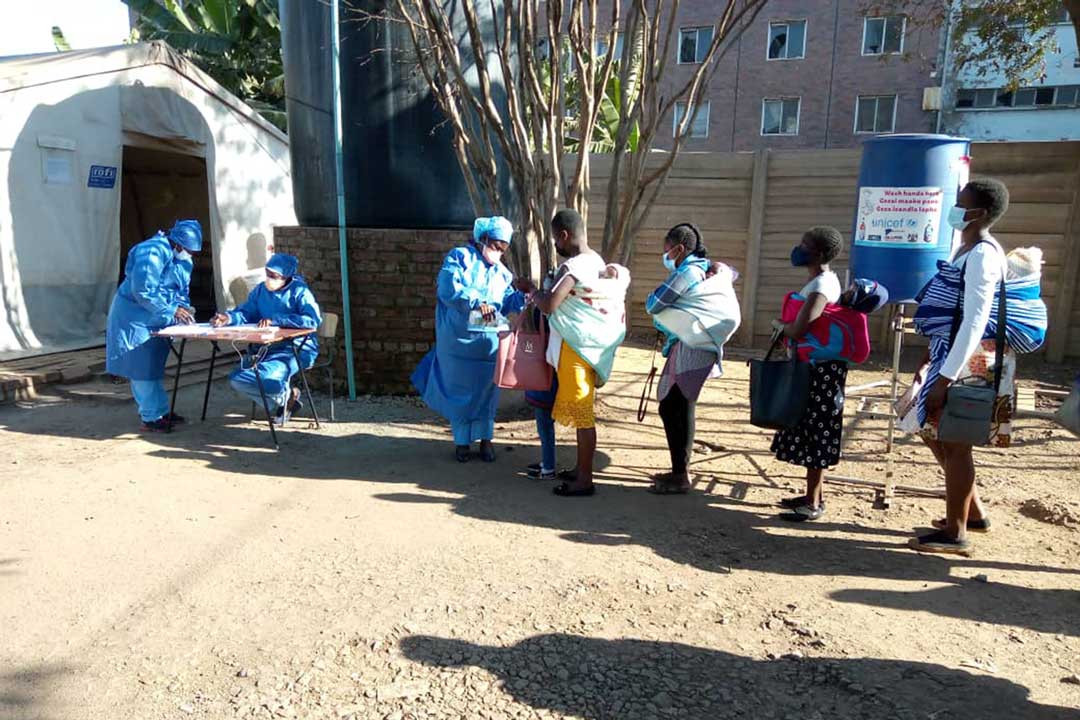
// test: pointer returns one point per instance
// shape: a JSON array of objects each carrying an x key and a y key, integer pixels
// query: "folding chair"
[{"x": 328, "y": 339}]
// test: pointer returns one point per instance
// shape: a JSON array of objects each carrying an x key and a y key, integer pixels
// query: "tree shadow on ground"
[
  {"x": 27, "y": 692},
  {"x": 704, "y": 531},
  {"x": 598, "y": 679}
]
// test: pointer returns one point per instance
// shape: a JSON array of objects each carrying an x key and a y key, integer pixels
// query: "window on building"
[
  {"x": 883, "y": 35},
  {"x": 1031, "y": 97},
  {"x": 1062, "y": 17},
  {"x": 787, "y": 40},
  {"x": 694, "y": 44},
  {"x": 699, "y": 126},
  {"x": 976, "y": 98},
  {"x": 602, "y": 47},
  {"x": 780, "y": 116},
  {"x": 1068, "y": 95},
  {"x": 875, "y": 114}
]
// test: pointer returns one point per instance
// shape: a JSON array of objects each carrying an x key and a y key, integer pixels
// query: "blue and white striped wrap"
[{"x": 1026, "y": 319}]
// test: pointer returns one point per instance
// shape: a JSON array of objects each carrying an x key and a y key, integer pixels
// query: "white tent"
[{"x": 101, "y": 148}]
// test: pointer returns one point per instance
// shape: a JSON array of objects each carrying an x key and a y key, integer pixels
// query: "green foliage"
[
  {"x": 236, "y": 42},
  {"x": 604, "y": 133},
  {"x": 1011, "y": 37}
]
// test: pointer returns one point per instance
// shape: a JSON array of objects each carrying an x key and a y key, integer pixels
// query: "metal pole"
[{"x": 343, "y": 245}]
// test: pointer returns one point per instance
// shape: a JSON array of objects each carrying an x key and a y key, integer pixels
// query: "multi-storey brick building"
[{"x": 807, "y": 74}]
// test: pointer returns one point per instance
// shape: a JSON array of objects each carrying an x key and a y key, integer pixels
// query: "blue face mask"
[
  {"x": 956, "y": 219},
  {"x": 800, "y": 256},
  {"x": 669, "y": 263}
]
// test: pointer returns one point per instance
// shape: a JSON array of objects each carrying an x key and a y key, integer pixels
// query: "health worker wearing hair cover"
[
  {"x": 455, "y": 378},
  {"x": 282, "y": 300},
  {"x": 153, "y": 295}
]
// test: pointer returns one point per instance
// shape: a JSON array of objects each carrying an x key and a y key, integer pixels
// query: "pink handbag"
[{"x": 521, "y": 363}]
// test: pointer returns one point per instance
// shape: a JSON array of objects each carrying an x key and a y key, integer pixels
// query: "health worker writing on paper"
[
  {"x": 282, "y": 300},
  {"x": 153, "y": 295}
]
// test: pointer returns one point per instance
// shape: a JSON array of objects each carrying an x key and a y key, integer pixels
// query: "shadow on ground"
[
  {"x": 709, "y": 532},
  {"x": 598, "y": 679},
  {"x": 27, "y": 693}
]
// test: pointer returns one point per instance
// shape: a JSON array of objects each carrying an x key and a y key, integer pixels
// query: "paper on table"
[{"x": 204, "y": 329}]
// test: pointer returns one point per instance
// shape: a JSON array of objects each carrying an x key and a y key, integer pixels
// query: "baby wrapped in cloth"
[
  {"x": 1025, "y": 332},
  {"x": 586, "y": 330}
]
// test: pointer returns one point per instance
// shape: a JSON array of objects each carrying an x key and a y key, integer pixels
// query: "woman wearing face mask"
[
  {"x": 960, "y": 349},
  {"x": 455, "y": 379},
  {"x": 283, "y": 300},
  {"x": 815, "y": 442},
  {"x": 686, "y": 369},
  {"x": 153, "y": 295}
]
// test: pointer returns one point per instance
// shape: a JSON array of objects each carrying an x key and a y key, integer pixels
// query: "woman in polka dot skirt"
[{"x": 815, "y": 442}]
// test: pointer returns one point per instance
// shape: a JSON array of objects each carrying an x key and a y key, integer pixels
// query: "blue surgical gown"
[
  {"x": 455, "y": 379},
  {"x": 293, "y": 306},
  {"x": 155, "y": 284}
]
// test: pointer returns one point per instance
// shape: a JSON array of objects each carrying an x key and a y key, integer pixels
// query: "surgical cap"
[
  {"x": 282, "y": 264},
  {"x": 492, "y": 228},
  {"x": 187, "y": 234}
]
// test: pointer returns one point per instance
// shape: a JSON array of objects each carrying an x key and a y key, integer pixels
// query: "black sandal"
[
  {"x": 664, "y": 485},
  {"x": 564, "y": 490},
  {"x": 981, "y": 525},
  {"x": 939, "y": 542},
  {"x": 804, "y": 513}
]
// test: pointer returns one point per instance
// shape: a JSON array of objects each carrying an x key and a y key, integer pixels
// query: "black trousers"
[{"x": 678, "y": 415}]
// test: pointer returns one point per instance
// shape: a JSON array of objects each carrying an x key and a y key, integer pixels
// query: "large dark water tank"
[{"x": 400, "y": 167}]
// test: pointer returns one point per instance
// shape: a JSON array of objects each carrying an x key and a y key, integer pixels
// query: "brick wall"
[{"x": 392, "y": 288}]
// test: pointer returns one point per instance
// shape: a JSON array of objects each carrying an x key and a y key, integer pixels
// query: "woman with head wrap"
[
  {"x": 283, "y": 300},
  {"x": 455, "y": 378},
  {"x": 153, "y": 295}
]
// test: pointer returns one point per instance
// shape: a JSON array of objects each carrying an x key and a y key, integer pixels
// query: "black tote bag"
[{"x": 779, "y": 390}]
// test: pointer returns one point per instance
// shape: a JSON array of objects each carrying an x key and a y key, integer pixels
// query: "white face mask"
[
  {"x": 275, "y": 284},
  {"x": 491, "y": 255},
  {"x": 181, "y": 254},
  {"x": 956, "y": 218}
]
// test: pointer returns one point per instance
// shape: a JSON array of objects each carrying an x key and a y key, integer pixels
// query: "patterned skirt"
[{"x": 815, "y": 441}]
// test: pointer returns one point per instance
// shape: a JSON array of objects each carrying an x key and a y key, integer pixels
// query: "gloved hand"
[{"x": 183, "y": 316}]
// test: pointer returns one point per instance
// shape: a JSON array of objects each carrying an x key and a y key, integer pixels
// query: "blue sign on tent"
[{"x": 102, "y": 176}]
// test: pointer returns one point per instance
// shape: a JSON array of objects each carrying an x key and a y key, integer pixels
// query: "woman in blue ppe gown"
[
  {"x": 153, "y": 295},
  {"x": 283, "y": 300},
  {"x": 455, "y": 379}
]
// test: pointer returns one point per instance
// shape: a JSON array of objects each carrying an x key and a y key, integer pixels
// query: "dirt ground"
[{"x": 361, "y": 573}]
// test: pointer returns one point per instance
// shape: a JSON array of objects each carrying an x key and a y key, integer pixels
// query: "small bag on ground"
[{"x": 1069, "y": 412}]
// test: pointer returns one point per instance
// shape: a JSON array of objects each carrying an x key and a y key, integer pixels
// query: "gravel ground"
[{"x": 361, "y": 573}]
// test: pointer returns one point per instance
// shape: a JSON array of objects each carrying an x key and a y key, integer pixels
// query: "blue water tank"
[{"x": 907, "y": 183}]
